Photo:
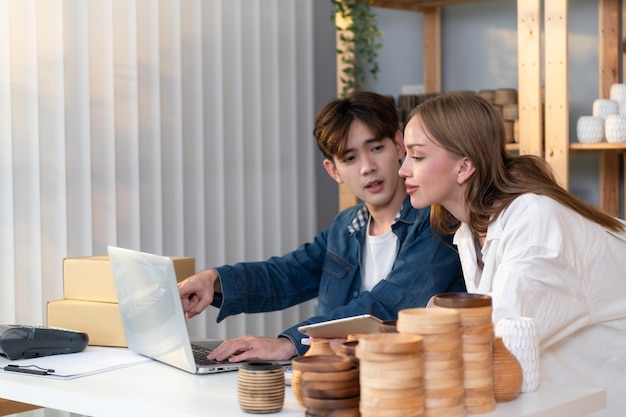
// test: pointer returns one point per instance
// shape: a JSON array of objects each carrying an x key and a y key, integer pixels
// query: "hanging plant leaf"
[{"x": 361, "y": 42}]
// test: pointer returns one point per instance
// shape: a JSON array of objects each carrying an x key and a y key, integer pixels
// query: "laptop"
[{"x": 152, "y": 313}]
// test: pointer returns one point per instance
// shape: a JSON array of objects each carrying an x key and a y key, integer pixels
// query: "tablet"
[{"x": 341, "y": 328}]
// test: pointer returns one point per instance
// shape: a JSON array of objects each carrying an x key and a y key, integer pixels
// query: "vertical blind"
[{"x": 178, "y": 127}]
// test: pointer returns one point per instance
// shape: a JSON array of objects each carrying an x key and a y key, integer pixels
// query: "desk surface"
[{"x": 154, "y": 389}]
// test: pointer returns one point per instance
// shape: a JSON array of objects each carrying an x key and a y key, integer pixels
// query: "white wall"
[{"x": 179, "y": 127}]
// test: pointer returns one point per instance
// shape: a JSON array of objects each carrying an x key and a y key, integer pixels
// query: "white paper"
[{"x": 93, "y": 359}]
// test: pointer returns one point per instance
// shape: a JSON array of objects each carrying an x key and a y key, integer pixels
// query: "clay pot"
[
  {"x": 318, "y": 347},
  {"x": 507, "y": 372}
]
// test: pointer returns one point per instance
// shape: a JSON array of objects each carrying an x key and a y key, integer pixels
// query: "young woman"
[{"x": 538, "y": 250}]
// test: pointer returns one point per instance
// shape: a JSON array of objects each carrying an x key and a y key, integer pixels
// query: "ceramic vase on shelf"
[
  {"x": 590, "y": 129},
  {"x": 617, "y": 92},
  {"x": 507, "y": 372},
  {"x": 604, "y": 107},
  {"x": 615, "y": 128},
  {"x": 520, "y": 336}
]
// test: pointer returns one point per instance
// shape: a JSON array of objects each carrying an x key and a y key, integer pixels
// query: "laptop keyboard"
[{"x": 200, "y": 356}]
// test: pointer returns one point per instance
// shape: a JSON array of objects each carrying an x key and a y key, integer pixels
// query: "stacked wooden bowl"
[
  {"x": 443, "y": 358},
  {"x": 348, "y": 349},
  {"x": 505, "y": 101},
  {"x": 329, "y": 385},
  {"x": 391, "y": 375},
  {"x": 478, "y": 335},
  {"x": 261, "y": 387}
]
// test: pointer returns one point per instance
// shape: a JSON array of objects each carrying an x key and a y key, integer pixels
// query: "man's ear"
[
  {"x": 465, "y": 171},
  {"x": 399, "y": 142},
  {"x": 332, "y": 171}
]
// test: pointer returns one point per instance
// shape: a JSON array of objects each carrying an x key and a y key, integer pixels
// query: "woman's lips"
[{"x": 410, "y": 189}]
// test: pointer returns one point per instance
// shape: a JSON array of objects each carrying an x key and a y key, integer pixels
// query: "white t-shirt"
[{"x": 379, "y": 254}]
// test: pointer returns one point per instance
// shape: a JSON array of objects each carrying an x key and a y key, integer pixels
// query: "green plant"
[{"x": 360, "y": 40}]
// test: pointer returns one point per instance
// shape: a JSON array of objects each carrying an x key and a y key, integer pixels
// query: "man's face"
[{"x": 370, "y": 166}]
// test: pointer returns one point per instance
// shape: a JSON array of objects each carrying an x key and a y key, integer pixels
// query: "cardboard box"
[
  {"x": 101, "y": 321},
  {"x": 90, "y": 278}
]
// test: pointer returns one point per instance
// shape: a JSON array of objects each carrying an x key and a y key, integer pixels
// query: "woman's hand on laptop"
[
  {"x": 254, "y": 347},
  {"x": 197, "y": 291}
]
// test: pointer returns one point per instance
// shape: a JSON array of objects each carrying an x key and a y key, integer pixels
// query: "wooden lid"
[
  {"x": 462, "y": 300},
  {"x": 321, "y": 363}
]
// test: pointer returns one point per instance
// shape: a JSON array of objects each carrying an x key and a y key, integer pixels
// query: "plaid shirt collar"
[{"x": 362, "y": 217}]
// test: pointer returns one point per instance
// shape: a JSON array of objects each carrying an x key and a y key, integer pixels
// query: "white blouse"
[{"x": 543, "y": 260}]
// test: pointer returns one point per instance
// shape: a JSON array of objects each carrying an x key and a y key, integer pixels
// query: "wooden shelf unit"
[{"x": 551, "y": 139}]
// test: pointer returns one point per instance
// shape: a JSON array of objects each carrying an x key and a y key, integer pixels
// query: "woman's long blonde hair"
[{"x": 465, "y": 124}]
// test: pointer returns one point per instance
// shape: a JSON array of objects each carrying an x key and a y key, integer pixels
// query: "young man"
[{"x": 378, "y": 257}]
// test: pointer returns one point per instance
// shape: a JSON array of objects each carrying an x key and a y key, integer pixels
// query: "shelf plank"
[
  {"x": 512, "y": 147},
  {"x": 576, "y": 147},
  {"x": 418, "y": 5}
]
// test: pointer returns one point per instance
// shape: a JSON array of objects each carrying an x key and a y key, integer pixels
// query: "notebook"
[{"x": 152, "y": 313}]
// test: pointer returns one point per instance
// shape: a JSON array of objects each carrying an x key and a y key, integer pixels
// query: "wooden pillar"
[
  {"x": 556, "y": 76},
  {"x": 530, "y": 101},
  {"x": 609, "y": 51},
  {"x": 432, "y": 49}
]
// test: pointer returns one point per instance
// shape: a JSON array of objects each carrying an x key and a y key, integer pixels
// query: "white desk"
[{"x": 156, "y": 390}]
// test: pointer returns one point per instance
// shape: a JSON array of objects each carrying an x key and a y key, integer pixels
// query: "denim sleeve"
[{"x": 275, "y": 284}]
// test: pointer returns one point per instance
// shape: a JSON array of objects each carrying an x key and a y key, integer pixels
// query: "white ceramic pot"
[
  {"x": 520, "y": 336},
  {"x": 604, "y": 107},
  {"x": 590, "y": 129},
  {"x": 618, "y": 92},
  {"x": 615, "y": 128}
]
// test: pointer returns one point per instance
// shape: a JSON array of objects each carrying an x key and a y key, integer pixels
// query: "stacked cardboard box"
[{"x": 89, "y": 301}]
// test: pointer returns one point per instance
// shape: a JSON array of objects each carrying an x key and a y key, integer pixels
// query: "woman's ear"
[
  {"x": 465, "y": 171},
  {"x": 331, "y": 168}
]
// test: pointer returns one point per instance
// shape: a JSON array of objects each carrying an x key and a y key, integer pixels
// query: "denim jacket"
[{"x": 329, "y": 268}]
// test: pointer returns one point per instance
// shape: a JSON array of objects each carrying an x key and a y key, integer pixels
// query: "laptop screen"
[{"x": 150, "y": 306}]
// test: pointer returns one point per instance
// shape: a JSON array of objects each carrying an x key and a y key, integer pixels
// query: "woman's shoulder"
[
  {"x": 540, "y": 211},
  {"x": 535, "y": 209},
  {"x": 533, "y": 203}
]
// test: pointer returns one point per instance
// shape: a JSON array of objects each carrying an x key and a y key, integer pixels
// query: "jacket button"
[{"x": 355, "y": 294}]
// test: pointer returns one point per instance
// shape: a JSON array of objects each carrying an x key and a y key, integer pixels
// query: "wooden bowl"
[
  {"x": 330, "y": 403},
  {"x": 343, "y": 412},
  {"x": 462, "y": 300},
  {"x": 351, "y": 374},
  {"x": 321, "y": 363},
  {"x": 392, "y": 343}
]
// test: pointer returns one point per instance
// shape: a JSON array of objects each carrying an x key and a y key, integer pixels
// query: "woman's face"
[{"x": 433, "y": 174}]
